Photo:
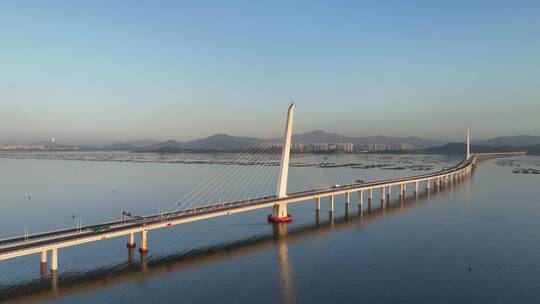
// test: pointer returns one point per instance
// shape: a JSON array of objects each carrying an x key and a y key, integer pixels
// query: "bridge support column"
[
  {"x": 383, "y": 193},
  {"x": 370, "y": 198},
  {"x": 347, "y": 198},
  {"x": 402, "y": 190},
  {"x": 144, "y": 242},
  {"x": 318, "y": 203},
  {"x": 131, "y": 241},
  {"x": 54, "y": 259},
  {"x": 416, "y": 187},
  {"x": 44, "y": 257},
  {"x": 389, "y": 193},
  {"x": 360, "y": 199},
  {"x": 427, "y": 184},
  {"x": 331, "y": 203},
  {"x": 280, "y": 214}
]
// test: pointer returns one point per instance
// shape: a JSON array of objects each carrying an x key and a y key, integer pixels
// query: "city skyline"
[{"x": 101, "y": 71}]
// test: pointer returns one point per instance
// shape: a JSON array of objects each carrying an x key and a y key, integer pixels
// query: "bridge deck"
[{"x": 17, "y": 246}]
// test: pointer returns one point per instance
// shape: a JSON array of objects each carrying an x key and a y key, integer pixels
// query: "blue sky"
[{"x": 107, "y": 70}]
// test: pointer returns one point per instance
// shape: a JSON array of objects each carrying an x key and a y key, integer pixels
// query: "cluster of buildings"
[
  {"x": 339, "y": 147},
  {"x": 37, "y": 147},
  {"x": 387, "y": 147},
  {"x": 21, "y": 147}
]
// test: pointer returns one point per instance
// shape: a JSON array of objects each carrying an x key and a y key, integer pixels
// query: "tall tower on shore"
[{"x": 468, "y": 144}]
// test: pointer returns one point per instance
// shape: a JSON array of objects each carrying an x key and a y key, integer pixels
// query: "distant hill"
[
  {"x": 165, "y": 144},
  {"x": 533, "y": 150},
  {"x": 461, "y": 148},
  {"x": 518, "y": 141},
  {"x": 328, "y": 137},
  {"x": 222, "y": 142},
  {"x": 218, "y": 142},
  {"x": 142, "y": 142},
  {"x": 119, "y": 147}
]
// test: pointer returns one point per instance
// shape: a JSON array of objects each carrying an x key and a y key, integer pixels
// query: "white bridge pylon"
[
  {"x": 279, "y": 211},
  {"x": 468, "y": 144}
]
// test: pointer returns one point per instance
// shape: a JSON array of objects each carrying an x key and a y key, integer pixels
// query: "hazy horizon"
[
  {"x": 82, "y": 142},
  {"x": 95, "y": 72}
]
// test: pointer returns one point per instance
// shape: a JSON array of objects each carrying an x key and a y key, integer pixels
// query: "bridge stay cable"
[
  {"x": 214, "y": 176},
  {"x": 209, "y": 196},
  {"x": 227, "y": 175},
  {"x": 218, "y": 176}
]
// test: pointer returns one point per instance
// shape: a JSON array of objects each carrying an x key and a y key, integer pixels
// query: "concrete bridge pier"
[
  {"x": 144, "y": 242},
  {"x": 383, "y": 193},
  {"x": 428, "y": 185},
  {"x": 347, "y": 199},
  {"x": 280, "y": 214},
  {"x": 370, "y": 198},
  {"x": 360, "y": 199},
  {"x": 54, "y": 259},
  {"x": 331, "y": 203},
  {"x": 317, "y": 203},
  {"x": 43, "y": 255},
  {"x": 389, "y": 193},
  {"x": 416, "y": 187},
  {"x": 43, "y": 271},
  {"x": 131, "y": 241}
]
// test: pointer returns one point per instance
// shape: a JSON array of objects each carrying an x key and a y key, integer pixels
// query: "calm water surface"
[{"x": 414, "y": 251}]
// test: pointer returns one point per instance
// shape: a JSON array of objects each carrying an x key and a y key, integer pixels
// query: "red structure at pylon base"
[{"x": 286, "y": 219}]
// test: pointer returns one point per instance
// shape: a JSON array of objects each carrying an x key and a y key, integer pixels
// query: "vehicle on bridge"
[{"x": 102, "y": 229}]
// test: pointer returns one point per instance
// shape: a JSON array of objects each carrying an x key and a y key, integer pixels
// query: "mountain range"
[
  {"x": 225, "y": 142},
  {"x": 518, "y": 141},
  {"x": 460, "y": 148}
]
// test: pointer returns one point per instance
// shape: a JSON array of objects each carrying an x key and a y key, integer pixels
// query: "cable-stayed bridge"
[{"x": 194, "y": 207}]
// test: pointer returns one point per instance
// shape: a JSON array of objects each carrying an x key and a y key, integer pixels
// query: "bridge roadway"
[{"x": 18, "y": 246}]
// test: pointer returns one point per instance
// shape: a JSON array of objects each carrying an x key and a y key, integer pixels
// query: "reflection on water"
[
  {"x": 378, "y": 254},
  {"x": 285, "y": 270},
  {"x": 54, "y": 285}
]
